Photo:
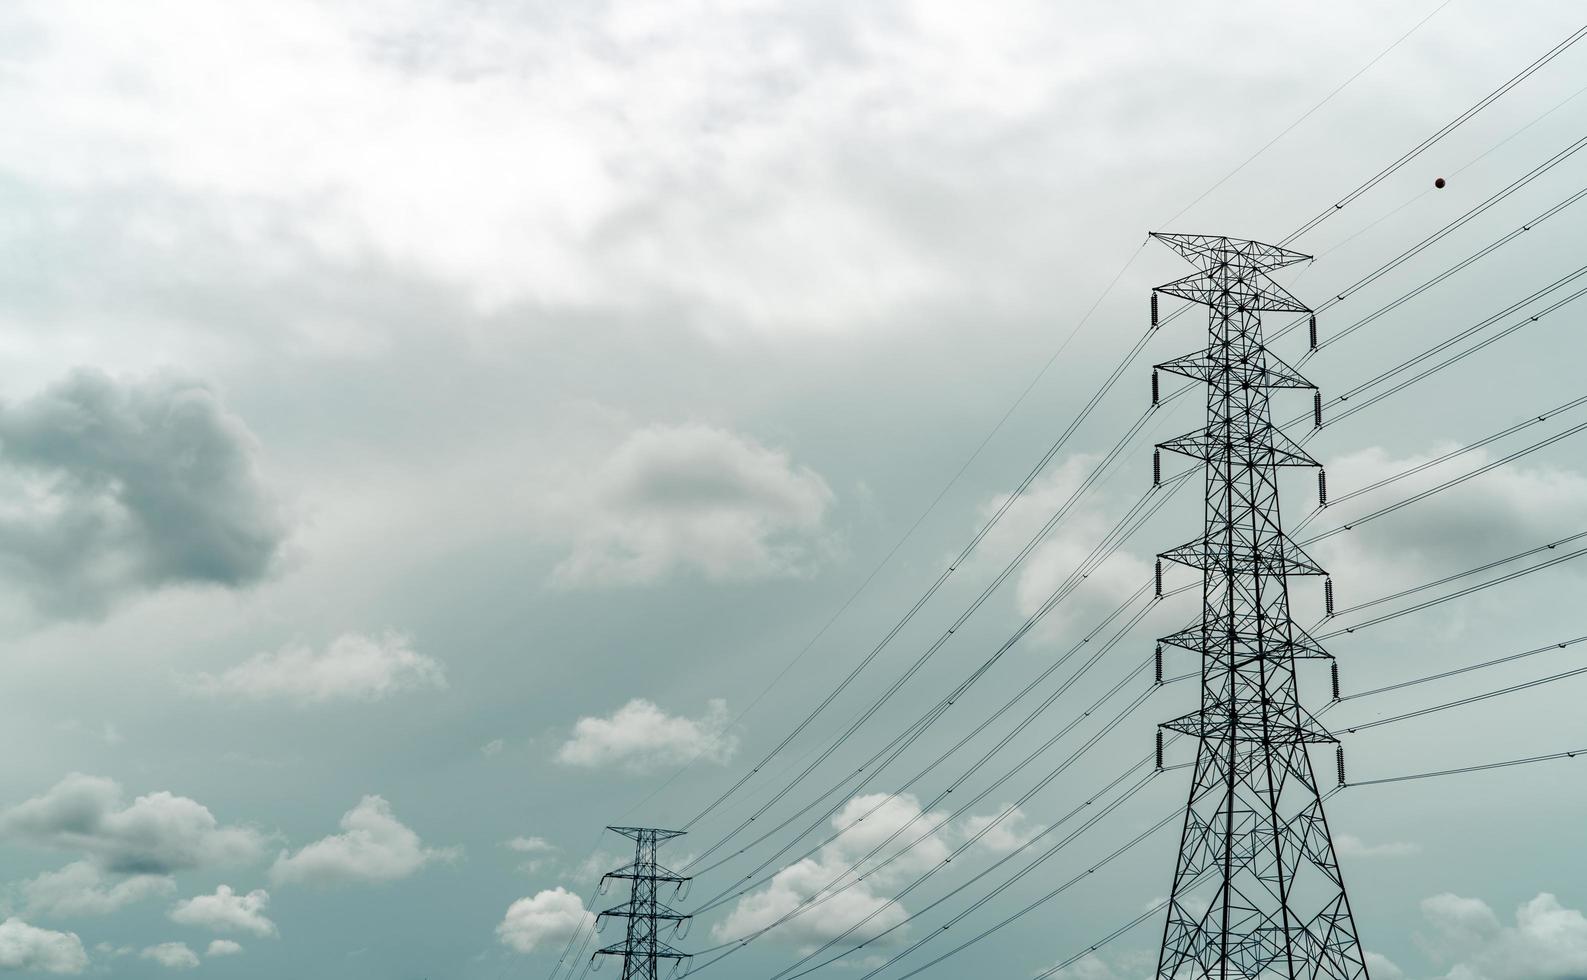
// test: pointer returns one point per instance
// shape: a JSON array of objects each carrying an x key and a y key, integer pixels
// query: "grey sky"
[{"x": 424, "y": 425}]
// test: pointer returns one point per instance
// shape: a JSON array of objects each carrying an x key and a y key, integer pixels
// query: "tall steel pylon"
[
  {"x": 1257, "y": 891},
  {"x": 642, "y": 947}
]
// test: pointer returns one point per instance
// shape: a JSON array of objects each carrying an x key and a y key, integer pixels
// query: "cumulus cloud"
[
  {"x": 373, "y": 846},
  {"x": 223, "y": 947},
  {"x": 155, "y": 834},
  {"x": 174, "y": 956},
  {"x": 226, "y": 911},
  {"x": 639, "y": 735},
  {"x": 550, "y": 916},
  {"x": 25, "y": 947},
  {"x": 1547, "y": 942},
  {"x": 692, "y": 497},
  {"x": 81, "y": 888},
  {"x": 796, "y": 883},
  {"x": 117, "y": 487},
  {"x": 354, "y": 667}
]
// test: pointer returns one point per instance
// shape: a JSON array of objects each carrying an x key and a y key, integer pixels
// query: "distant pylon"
[
  {"x": 1257, "y": 892},
  {"x": 642, "y": 947}
]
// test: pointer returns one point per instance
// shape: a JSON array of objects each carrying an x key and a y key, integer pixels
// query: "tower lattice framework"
[
  {"x": 642, "y": 948},
  {"x": 1257, "y": 891}
]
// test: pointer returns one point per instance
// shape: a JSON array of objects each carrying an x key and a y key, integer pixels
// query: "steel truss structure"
[
  {"x": 642, "y": 948},
  {"x": 1257, "y": 892}
]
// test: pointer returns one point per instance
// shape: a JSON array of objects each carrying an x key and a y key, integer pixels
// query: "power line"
[
  {"x": 1443, "y": 458},
  {"x": 1308, "y": 113},
  {"x": 1467, "y": 669},
  {"x": 1444, "y": 131},
  {"x": 1484, "y": 767},
  {"x": 1459, "y": 594}
]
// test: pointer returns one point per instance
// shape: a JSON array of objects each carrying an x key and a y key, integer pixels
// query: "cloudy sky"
[{"x": 432, "y": 431}]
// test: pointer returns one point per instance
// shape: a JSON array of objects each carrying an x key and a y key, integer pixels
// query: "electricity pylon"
[
  {"x": 642, "y": 947},
  {"x": 1257, "y": 892}
]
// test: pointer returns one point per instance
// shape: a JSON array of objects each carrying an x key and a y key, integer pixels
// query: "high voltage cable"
[
  {"x": 1462, "y": 702},
  {"x": 1452, "y": 481},
  {"x": 964, "y": 553},
  {"x": 986, "y": 593},
  {"x": 1460, "y": 594},
  {"x": 1115, "y": 537},
  {"x": 1057, "y": 891},
  {"x": 1030, "y": 907},
  {"x": 1315, "y": 221},
  {"x": 1111, "y": 726},
  {"x": 1529, "y": 421},
  {"x": 1561, "y": 645},
  {"x": 1113, "y": 378},
  {"x": 1430, "y": 240},
  {"x": 1309, "y": 112},
  {"x": 993, "y": 786},
  {"x": 822, "y": 896},
  {"x": 1448, "y": 229},
  {"x": 1415, "y": 151},
  {"x": 1459, "y": 575},
  {"x": 1462, "y": 355},
  {"x": 1444, "y": 131},
  {"x": 1483, "y": 767},
  {"x": 1403, "y": 612},
  {"x": 1455, "y": 173},
  {"x": 1462, "y": 770},
  {"x": 1455, "y": 269}
]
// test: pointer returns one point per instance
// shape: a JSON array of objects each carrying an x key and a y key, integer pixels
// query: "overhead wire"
[
  {"x": 1361, "y": 189},
  {"x": 1442, "y": 132}
]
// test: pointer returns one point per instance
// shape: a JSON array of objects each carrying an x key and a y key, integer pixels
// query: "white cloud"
[
  {"x": 223, "y": 947},
  {"x": 173, "y": 956},
  {"x": 374, "y": 846},
  {"x": 493, "y": 747},
  {"x": 354, "y": 667},
  {"x": 1547, "y": 942},
  {"x": 81, "y": 888},
  {"x": 691, "y": 497},
  {"x": 226, "y": 911},
  {"x": 25, "y": 947},
  {"x": 154, "y": 835},
  {"x": 793, "y": 885},
  {"x": 1349, "y": 845},
  {"x": 640, "y": 735},
  {"x": 549, "y": 916}
]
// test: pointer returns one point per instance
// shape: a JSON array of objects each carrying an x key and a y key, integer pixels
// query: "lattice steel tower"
[
  {"x": 1257, "y": 892},
  {"x": 642, "y": 947}
]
